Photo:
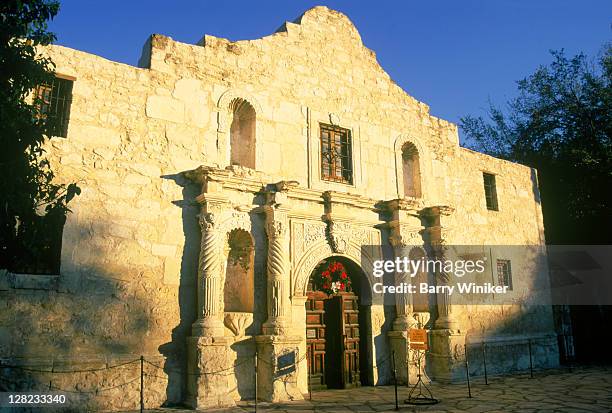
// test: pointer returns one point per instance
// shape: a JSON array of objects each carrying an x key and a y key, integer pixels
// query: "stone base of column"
[
  {"x": 278, "y": 363},
  {"x": 278, "y": 327},
  {"x": 447, "y": 356},
  {"x": 208, "y": 355},
  {"x": 406, "y": 360},
  {"x": 207, "y": 327}
]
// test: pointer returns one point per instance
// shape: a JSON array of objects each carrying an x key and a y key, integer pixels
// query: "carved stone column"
[
  {"x": 437, "y": 233},
  {"x": 446, "y": 356},
  {"x": 208, "y": 351},
  {"x": 404, "y": 234},
  {"x": 278, "y": 354},
  {"x": 209, "y": 322},
  {"x": 404, "y": 318},
  {"x": 209, "y": 355},
  {"x": 278, "y": 270}
]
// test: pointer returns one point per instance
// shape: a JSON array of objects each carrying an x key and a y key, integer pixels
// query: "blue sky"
[{"x": 453, "y": 55}]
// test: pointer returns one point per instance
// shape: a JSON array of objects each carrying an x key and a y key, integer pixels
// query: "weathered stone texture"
[{"x": 131, "y": 245}]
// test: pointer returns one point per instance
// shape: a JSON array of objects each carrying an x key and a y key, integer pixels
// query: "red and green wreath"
[{"x": 333, "y": 279}]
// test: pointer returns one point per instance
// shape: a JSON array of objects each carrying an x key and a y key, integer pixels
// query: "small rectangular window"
[
  {"x": 490, "y": 191},
  {"x": 54, "y": 105},
  {"x": 504, "y": 273},
  {"x": 336, "y": 154}
]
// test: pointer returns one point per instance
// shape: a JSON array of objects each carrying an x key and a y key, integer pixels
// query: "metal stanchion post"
[
  {"x": 568, "y": 358},
  {"x": 395, "y": 381},
  {"x": 530, "y": 360},
  {"x": 309, "y": 388},
  {"x": 484, "y": 362},
  {"x": 141, "y": 384},
  {"x": 255, "y": 381},
  {"x": 467, "y": 372}
]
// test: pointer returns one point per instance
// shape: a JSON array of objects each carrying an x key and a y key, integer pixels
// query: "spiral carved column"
[
  {"x": 209, "y": 322},
  {"x": 278, "y": 290}
]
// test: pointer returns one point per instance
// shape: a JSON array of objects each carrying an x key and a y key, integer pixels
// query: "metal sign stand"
[{"x": 420, "y": 393}]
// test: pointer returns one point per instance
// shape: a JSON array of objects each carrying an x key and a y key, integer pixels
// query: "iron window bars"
[{"x": 336, "y": 154}]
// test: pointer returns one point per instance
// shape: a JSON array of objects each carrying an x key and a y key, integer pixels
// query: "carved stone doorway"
[{"x": 338, "y": 333}]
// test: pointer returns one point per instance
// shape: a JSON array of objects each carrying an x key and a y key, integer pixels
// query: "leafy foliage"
[
  {"x": 32, "y": 205},
  {"x": 561, "y": 124}
]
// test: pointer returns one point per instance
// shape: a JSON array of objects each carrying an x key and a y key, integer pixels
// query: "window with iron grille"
[
  {"x": 54, "y": 105},
  {"x": 336, "y": 154},
  {"x": 504, "y": 273},
  {"x": 490, "y": 191}
]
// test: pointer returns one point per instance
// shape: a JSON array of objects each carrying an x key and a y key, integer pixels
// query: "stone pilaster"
[
  {"x": 404, "y": 318},
  {"x": 437, "y": 234},
  {"x": 446, "y": 355},
  {"x": 278, "y": 368},
  {"x": 277, "y": 230},
  {"x": 278, "y": 290},
  {"x": 210, "y": 288},
  {"x": 404, "y": 234},
  {"x": 211, "y": 383}
]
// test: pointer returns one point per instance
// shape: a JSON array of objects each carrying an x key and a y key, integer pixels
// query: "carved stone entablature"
[
  {"x": 285, "y": 186},
  {"x": 405, "y": 204},
  {"x": 216, "y": 181},
  {"x": 437, "y": 212},
  {"x": 405, "y": 222},
  {"x": 332, "y": 198}
]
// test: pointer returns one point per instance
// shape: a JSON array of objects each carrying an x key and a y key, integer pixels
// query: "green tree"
[
  {"x": 32, "y": 205},
  {"x": 560, "y": 123}
]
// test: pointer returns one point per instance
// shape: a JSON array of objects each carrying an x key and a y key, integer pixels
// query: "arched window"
[
  {"x": 242, "y": 134},
  {"x": 411, "y": 171},
  {"x": 238, "y": 295}
]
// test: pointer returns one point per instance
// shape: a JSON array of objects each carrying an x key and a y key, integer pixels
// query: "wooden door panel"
[
  {"x": 350, "y": 318},
  {"x": 332, "y": 340},
  {"x": 315, "y": 339}
]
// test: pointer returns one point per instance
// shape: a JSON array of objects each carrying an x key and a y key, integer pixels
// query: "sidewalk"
[{"x": 586, "y": 389}]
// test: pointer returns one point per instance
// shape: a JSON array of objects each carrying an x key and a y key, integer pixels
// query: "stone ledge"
[{"x": 9, "y": 280}]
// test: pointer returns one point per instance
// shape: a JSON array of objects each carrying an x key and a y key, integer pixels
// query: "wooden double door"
[{"x": 332, "y": 340}]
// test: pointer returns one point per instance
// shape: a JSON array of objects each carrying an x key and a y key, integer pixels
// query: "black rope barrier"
[
  {"x": 12, "y": 366},
  {"x": 55, "y": 388}
]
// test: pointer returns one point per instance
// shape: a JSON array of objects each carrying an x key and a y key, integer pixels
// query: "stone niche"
[{"x": 238, "y": 292}]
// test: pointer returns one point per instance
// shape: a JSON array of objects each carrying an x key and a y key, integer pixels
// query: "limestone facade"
[{"x": 206, "y": 161}]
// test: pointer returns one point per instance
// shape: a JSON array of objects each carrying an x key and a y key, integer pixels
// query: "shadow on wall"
[
  {"x": 535, "y": 185},
  {"x": 112, "y": 306},
  {"x": 176, "y": 350},
  {"x": 86, "y": 336},
  {"x": 509, "y": 344}
]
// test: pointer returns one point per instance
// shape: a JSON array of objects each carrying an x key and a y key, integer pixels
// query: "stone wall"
[{"x": 131, "y": 243}]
